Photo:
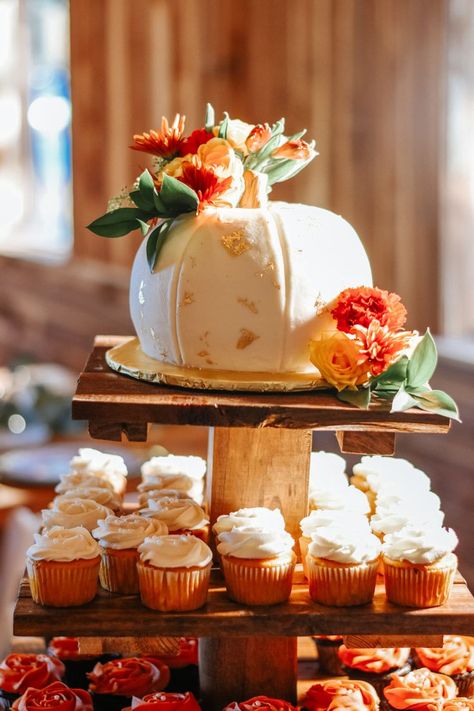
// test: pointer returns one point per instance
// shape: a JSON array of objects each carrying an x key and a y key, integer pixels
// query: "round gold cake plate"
[{"x": 129, "y": 359}]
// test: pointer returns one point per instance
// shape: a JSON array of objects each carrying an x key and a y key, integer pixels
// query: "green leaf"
[
  {"x": 144, "y": 227},
  {"x": 175, "y": 197},
  {"x": 360, "y": 397},
  {"x": 117, "y": 223},
  {"x": 210, "y": 119},
  {"x": 393, "y": 377},
  {"x": 439, "y": 402},
  {"x": 224, "y": 126},
  {"x": 402, "y": 400},
  {"x": 156, "y": 241},
  {"x": 423, "y": 362}
]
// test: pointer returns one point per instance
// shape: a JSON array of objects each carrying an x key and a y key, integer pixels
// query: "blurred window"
[{"x": 35, "y": 139}]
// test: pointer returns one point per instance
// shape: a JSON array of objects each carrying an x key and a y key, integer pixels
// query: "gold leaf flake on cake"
[
  {"x": 269, "y": 267},
  {"x": 188, "y": 298},
  {"x": 204, "y": 338},
  {"x": 250, "y": 305},
  {"x": 203, "y": 354},
  {"x": 246, "y": 338},
  {"x": 193, "y": 262},
  {"x": 236, "y": 243}
]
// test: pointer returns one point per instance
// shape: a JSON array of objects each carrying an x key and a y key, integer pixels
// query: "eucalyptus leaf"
[
  {"x": 117, "y": 223},
  {"x": 422, "y": 363},
  {"x": 156, "y": 241},
  {"x": 261, "y": 156},
  {"x": 402, "y": 401},
  {"x": 360, "y": 397},
  {"x": 146, "y": 187},
  {"x": 210, "y": 118},
  {"x": 439, "y": 402},
  {"x": 144, "y": 227},
  {"x": 224, "y": 125},
  {"x": 393, "y": 377},
  {"x": 140, "y": 201}
]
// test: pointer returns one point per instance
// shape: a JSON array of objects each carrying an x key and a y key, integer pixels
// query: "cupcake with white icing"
[
  {"x": 75, "y": 480},
  {"x": 110, "y": 467},
  {"x": 173, "y": 572},
  {"x": 70, "y": 512},
  {"x": 373, "y": 473},
  {"x": 342, "y": 565},
  {"x": 419, "y": 565},
  {"x": 181, "y": 516},
  {"x": 258, "y": 564},
  {"x": 327, "y": 468},
  {"x": 147, "y": 495},
  {"x": 253, "y": 517},
  {"x": 185, "y": 473},
  {"x": 63, "y": 567},
  {"x": 391, "y": 520},
  {"x": 119, "y": 538},
  {"x": 347, "y": 498},
  {"x": 101, "y": 495}
]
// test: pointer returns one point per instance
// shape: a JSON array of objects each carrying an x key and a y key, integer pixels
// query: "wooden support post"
[
  {"x": 242, "y": 667},
  {"x": 369, "y": 442}
]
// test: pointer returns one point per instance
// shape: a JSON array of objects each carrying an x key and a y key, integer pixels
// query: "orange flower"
[
  {"x": 460, "y": 703},
  {"x": 378, "y": 347},
  {"x": 165, "y": 143},
  {"x": 341, "y": 693},
  {"x": 360, "y": 306},
  {"x": 258, "y": 136},
  {"x": 206, "y": 184},
  {"x": 339, "y": 361},
  {"x": 295, "y": 150},
  {"x": 420, "y": 689}
]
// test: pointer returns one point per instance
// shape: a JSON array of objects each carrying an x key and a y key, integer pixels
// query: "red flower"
[
  {"x": 379, "y": 347},
  {"x": 165, "y": 143},
  {"x": 165, "y": 702},
  {"x": 128, "y": 677},
  {"x": 20, "y": 671},
  {"x": 359, "y": 307},
  {"x": 262, "y": 703},
  {"x": 55, "y": 697},
  {"x": 258, "y": 137},
  {"x": 192, "y": 142},
  {"x": 204, "y": 181}
]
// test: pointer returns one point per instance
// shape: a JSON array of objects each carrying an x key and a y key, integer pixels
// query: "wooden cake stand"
[{"x": 259, "y": 453}]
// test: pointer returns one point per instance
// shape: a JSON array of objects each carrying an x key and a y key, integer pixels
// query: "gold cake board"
[{"x": 129, "y": 359}]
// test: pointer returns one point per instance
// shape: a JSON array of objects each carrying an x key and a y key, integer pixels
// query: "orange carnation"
[
  {"x": 360, "y": 306},
  {"x": 378, "y": 347},
  {"x": 165, "y": 143},
  {"x": 339, "y": 361}
]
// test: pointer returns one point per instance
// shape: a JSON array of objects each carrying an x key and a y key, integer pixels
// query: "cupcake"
[
  {"x": 176, "y": 472},
  {"x": 63, "y": 567},
  {"x": 341, "y": 694},
  {"x": 71, "y": 512},
  {"x": 173, "y": 572},
  {"x": 460, "y": 703},
  {"x": 455, "y": 659},
  {"x": 110, "y": 467},
  {"x": 180, "y": 516},
  {"x": 165, "y": 495},
  {"x": 418, "y": 689},
  {"x": 328, "y": 469},
  {"x": 346, "y": 498},
  {"x": 20, "y": 671},
  {"x": 419, "y": 566},
  {"x": 101, "y": 495},
  {"x": 76, "y": 480},
  {"x": 113, "y": 684},
  {"x": 54, "y": 697},
  {"x": 258, "y": 564},
  {"x": 342, "y": 565},
  {"x": 328, "y": 658},
  {"x": 390, "y": 520},
  {"x": 254, "y": 517},
  {"x": 375, "y": 665},
  {"x": 260, "y": 703},
  {"x": 166, "y": 701},
  {"x": 321, "y": 518},
  {"x": 373, "y": 472},
  {"x": 76, "y": 664},
  {"x": 183, "y": 666},
  {"x": 119, "y": 538}
]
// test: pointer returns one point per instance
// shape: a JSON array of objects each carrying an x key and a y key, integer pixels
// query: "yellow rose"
[{"x": 338, "y": 360}]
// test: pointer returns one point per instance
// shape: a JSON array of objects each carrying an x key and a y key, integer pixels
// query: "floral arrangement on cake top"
[
  {"x": 228, "y": 164},
  {"x": 371, "y": 355}
]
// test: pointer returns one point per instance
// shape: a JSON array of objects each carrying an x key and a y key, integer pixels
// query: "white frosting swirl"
[
  {"x": 101, "y": 495},
  {"x": 194, "y": 488},
  {"x": 349, "y": 498},
  {"x": 175, "y": 552},
  {"x": 257, "y": 517},
  {"x": 327, "y": 470},
  {"x": 419, "y": 545},
  {"x": 70, "y": 512},
  {"x": 392, "y": 473},
  {"x": 101, "y": 464},
  {"x": 321, "y": 518},
  {"x": 164, "y": 495},
  {"x": 343, "y": 544},
  {"x": 184, "y": 514},
  {"x": 194, "y": 467},
  {"x": 63, "y": 544},
  {"x": 74, "y": 480},
  {"x": 121, "y": 532},
  {"x": 389, "y": 501},
  {"x": 256, "y": 543},
  {"x": 394, "y": 520}
]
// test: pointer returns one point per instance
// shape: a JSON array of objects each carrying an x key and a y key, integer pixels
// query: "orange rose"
[
  {"x": 55, "y": 697},
  {"x": 20, "y": 671},
  {"x": 341, "y": 693},
  {"x": 375, "y": 660},
  {"x": 338, "y": 359},
  {"x": 128, "y": 677},
  {"x": 165, "y": 702},
  {"x": 262, "y": 703},
  {"x": 420, "y": 689},
  {"x": 456, "y": 656}
]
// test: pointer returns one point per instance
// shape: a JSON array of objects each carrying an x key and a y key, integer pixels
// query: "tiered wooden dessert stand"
[{"x": 259, "y": 454}]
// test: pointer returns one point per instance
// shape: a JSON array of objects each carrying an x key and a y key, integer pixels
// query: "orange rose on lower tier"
[
  {"x": 420, "y": 689},
  {"x": 165, "y": 702},
  {"x": 55, "y": 697},
  {"x": 20, "y": 671},
  {"x": 456, "y": 656},
  {"x": 128, "y": 677},
  {"x": 341, "y": 693},
  {"x": 460, "y": 703},
  {"x": 262, "y": 703},
  {"x": 375, "y": 660}
]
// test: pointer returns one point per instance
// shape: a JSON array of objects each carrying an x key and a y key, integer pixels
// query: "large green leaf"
[
  {"x": 402, "y": 401},
  {"x": 146, "y": 188},
  {"x": 360, "y": 397},
  {"x": 393, "y": 377},
  {"x": 176, "y": 198},
  {"x": 117, "y": 223},
  {"x": 439, "y": 402},
  {"x": 156, "y": 241},
  {"x": 423, "y": 362}
]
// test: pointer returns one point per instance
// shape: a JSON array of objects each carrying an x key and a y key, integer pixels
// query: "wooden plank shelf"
[
  {"x": 125, "y": 616},
  {"x": 115, "y": 404}
]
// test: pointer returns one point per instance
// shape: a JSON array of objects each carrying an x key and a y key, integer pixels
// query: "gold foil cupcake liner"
[
  {"x": 63, "y": 584},
  {"x": 339, "y": 584},
  {"x": 118, "y": 571},
  {"x": 417, "y": 585},
  {"x": 173, "y": 589},
  {"x": 258, "y": 582}
]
